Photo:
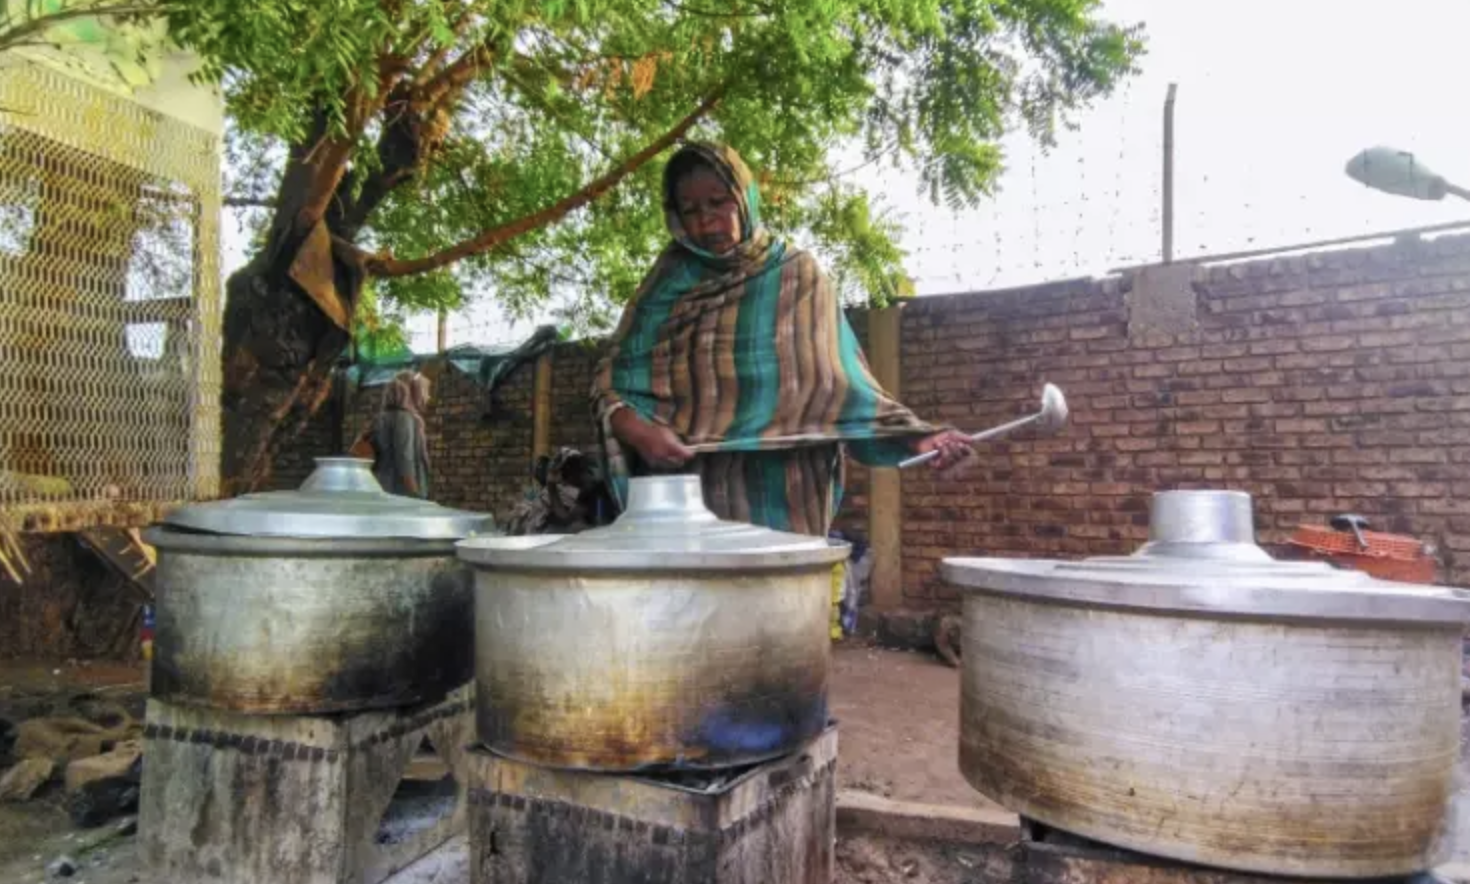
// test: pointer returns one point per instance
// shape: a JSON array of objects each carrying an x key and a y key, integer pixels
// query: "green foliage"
[
  {"x": 566, "y": 89},
  {"x": 121, "y": 36}
]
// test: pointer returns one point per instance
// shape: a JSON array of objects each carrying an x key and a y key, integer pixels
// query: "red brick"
[
  {"x": 1224, "y": 351},
  {"x": 1418, "y": 455},
  {"x": 1247, "y": 365},
  {"x": 1247, "y": 394},
  {"x": 1197, "y": 428},
  {"x": 1093, "y": 333},
  {"x": 1153, "y": 371},
  {"x": 1328, "y": 343},
  {"x": 1301, "y": 425}
]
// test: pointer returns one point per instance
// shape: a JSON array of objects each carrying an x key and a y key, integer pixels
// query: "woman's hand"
[
  {"x": 658, "y": 445},
  {"x": 953, "y": 446}
]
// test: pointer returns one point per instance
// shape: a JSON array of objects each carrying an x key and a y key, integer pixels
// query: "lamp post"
[{"x": 1398, "y": 172}]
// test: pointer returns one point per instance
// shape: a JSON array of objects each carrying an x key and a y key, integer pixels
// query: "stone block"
[
  {"x": 121, "y": 762},
  {"x": 65, "y": 739},
  {"x": 240, "y": 799},
  {"x": 26, "y": 778}
]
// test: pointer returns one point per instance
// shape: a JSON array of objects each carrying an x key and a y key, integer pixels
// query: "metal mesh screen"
[{"x": 109, "y": 306}]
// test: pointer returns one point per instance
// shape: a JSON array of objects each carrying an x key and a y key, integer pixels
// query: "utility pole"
[{"x": 1168, "y": 212}]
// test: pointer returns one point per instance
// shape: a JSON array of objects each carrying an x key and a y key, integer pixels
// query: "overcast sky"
[{"x": 1274, "y": 98}]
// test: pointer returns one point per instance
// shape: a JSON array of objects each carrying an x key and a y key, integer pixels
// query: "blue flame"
[{"x": 735, "y": 730}]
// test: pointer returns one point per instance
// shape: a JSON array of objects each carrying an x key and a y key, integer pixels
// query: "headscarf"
[
  {"x": 409, "y": 392},
  {"x": 745, "y": 351}
]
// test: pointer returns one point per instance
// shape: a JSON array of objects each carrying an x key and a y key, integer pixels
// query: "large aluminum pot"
[
  {"x": 667, "y": 640},
  {"x": 1202, "y": 702},
  {"x": 333, "y": 598}
]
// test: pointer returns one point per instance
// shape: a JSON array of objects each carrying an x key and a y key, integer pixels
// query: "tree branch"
[
  {"x": 248, "y": 202},
  {"x": 325, "y": 163},
  {"x": 762, "y": 10},
  {"x": 405, "y": 143},
  {"x": 388, "y": 266},
  {"x": 435, "y": 61},
  {"x": 455, "y": 75}
]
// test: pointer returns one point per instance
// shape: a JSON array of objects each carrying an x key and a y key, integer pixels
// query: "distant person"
[
  {"x": 570, "y": 496},
  {"x": 400, "y": 442}
]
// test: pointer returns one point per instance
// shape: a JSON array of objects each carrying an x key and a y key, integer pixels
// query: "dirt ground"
[
  {"x": 869, "y": 859},
  {"x": 36, "y": 833},
  {"x": 898, "y": 717}
]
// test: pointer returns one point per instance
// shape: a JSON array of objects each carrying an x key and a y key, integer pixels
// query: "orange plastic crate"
[{"x": 1387, "y": 557}]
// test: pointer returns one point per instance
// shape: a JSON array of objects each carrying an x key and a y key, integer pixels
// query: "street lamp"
[{"x": 1399, "y": 173}]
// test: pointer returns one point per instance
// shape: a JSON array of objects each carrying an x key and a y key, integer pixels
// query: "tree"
[{"x": 419, "y": 149}]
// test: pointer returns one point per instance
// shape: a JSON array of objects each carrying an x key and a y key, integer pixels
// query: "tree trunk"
[
  {"x": 279, "y": 353},
  {"x": 279, "y": 347}
]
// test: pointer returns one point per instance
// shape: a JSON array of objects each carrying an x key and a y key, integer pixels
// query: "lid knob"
[
  {"x": 666, "y": 499},
  {"x": 338, "y": 475},
  {"x": 1201, "y": 517}
]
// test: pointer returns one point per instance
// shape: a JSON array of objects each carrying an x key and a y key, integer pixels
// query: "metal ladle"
[{"x": 1053, "y": 415}]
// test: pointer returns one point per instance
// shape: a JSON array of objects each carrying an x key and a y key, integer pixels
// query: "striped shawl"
[{"x": 748, "y": 358}]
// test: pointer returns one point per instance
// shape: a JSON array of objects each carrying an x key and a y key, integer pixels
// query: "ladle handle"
[{"x": 981, "y": 436}]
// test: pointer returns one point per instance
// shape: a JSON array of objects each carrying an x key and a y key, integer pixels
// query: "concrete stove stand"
[
  {"x": 774, "y": 824},
  {"x": 247, "y": 799}
]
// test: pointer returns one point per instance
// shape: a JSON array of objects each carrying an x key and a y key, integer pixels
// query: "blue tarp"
[{"x": 489, "y": 366}]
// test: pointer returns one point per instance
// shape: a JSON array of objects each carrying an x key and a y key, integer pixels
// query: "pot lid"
[
  {"x": 340, "y": 499},
  {"x": 1202, "y": 558},
  {"x": 665, "y": 527}
]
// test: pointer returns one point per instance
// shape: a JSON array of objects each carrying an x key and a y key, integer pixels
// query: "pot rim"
[
  {"x": 1239, "y": 595},
  {"x": 172, "y": 539},
  {"x": 526, "y": 554}
]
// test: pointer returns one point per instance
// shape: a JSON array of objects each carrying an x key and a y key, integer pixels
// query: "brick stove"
[
  {"x": 770, "y": 823},
  {"x": 331, "y": 799}
]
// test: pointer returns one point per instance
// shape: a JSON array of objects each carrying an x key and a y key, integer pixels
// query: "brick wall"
[
  {"x": 1320, "y": 384},
  {"x": 571, "y": 380},
  {"x": 1335, "y": 382},
  {"x": 322, "y": 435}
]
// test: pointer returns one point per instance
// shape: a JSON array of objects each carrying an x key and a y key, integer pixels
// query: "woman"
[
  {"x": 400, "y": 444},
  {"x": 735, "y": 360}
]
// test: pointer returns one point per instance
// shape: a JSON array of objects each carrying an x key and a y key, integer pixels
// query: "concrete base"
[
  {"x": 909, "y": 821},
  {"x": 1016, "y": 852},
  {"x": 773, "y": 824},
  {"x": 1048, "y": 856},
  {"x": 240, "y": 799}
]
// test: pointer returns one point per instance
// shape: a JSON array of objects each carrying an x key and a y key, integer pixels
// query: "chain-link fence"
[{"x": 109, "y": 305}]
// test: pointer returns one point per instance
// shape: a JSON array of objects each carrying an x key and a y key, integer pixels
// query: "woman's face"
[{"x": 708, "y": 211}]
